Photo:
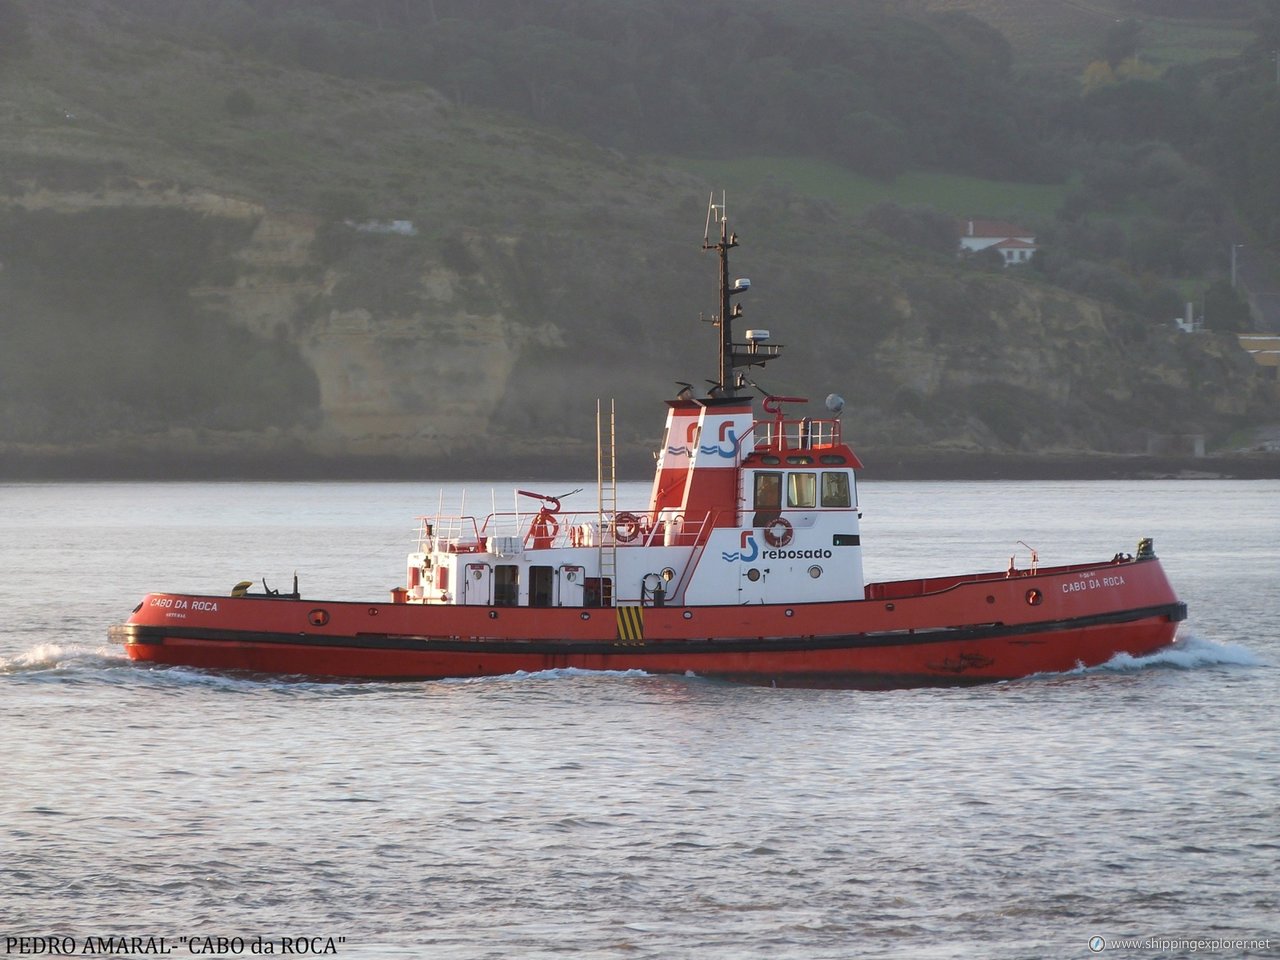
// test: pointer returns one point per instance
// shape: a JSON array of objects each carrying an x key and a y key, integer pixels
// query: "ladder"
[{"x": 606, "y": 503}]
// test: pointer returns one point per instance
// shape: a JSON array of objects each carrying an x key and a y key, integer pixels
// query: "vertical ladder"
[{"x": 606, "y": 503}]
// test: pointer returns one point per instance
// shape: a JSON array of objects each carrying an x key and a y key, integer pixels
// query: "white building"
[{"x": 1015, "y": 244}]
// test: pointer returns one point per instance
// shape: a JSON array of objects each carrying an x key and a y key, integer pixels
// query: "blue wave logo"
[
  {"x": 678, "y": 451},
  {"x": 748, "y": 540},
  {"x": 718, "y": 450}
]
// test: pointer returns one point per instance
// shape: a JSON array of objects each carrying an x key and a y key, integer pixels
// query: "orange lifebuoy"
[
  {"x": 543, "y": 530},
  {"x": 626, "y": 527},
  {"x": 778, "y": 532}
]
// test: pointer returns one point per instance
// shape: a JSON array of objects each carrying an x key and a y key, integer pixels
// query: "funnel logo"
[
  {"x": 728, "y": 446},
  {"x": 748, "y": 543}
]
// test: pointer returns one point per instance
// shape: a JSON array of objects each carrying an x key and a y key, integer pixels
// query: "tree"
[
  {"x": 1224, "y": 309},
  {"x": 920, "y": 226},
  {"x": 1121, "y": 41}
]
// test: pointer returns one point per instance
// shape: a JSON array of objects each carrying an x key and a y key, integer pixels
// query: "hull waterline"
[
  {"x": 899, "y": 642},
  {"x": 872, "y": 664}
]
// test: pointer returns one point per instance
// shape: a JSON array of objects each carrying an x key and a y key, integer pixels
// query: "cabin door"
[
  {"x": 570, "y": 583},
  {"x": 541, "y": 586},
  {"x": 477, "y": 585}
]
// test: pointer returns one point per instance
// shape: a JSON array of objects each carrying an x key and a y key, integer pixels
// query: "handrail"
[
  {"x": 625, "y": 528},
  {"x": 695, "y": 557},
  {"x": 805, "y": 433}
]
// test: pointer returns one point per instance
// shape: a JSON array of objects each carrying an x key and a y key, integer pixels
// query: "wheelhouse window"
[
  {"x": 835, "y": 489},
  {"x": 768, "y": 491},
  {"x": 802, "y": 490},
  {"x": 767, "y": 497}
]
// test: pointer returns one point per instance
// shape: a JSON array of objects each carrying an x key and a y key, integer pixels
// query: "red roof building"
[{"x": 1016, "y": 244}]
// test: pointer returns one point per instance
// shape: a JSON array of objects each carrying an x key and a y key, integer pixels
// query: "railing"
[
  {"x": 802, "y": 434},
  {"x": 511, "y": 532},
  {"x": 450, "y": 533}
]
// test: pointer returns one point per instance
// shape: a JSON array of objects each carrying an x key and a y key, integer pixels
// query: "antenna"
[
  {"x": 727, "y": 381},
  {"x": 715, "y": 212},
  {"x": 756, "y": 351}
]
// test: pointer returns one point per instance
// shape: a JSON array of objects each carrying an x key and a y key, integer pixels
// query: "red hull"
[{"x": 946, "y": 631}]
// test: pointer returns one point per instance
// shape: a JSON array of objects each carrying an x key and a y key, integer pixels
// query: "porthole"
[
  {"x": 753, "y": 574},
  {"x": 889, "y": 607},
  {"x": 688, "y": 614},
  {"x": 815, "y": 571},
  {"x": 493, "y": 614},
  {"x": 1035, "y": 597},
  {"x": 990, "y": 599},
  {"x": 789, "y": 612},
  {"x": 584, "y": 616},
  {"x": 318, "y": 618},
  {"x": 668, "y": 574}
]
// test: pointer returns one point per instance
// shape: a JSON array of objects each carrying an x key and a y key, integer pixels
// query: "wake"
[
  {"x": 45, "y": 657},
  {"x": 557, "y": 673},
  {"x": 1186, "y": 653}
]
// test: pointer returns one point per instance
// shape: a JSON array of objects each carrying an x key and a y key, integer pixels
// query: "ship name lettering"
[
  {"x": 1092, "y": 583},
  {"x": 177, "y": 603}
]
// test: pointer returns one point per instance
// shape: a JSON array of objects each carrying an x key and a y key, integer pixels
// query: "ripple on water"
[{"x": 626, "y": 815}]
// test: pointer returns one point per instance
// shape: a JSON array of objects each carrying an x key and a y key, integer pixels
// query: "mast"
[
  {"x": 732, "y": 355},
  {"x": 724, "y": 319}
]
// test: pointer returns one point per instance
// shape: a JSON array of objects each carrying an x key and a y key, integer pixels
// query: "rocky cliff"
[{"x": 349, "y": 270}]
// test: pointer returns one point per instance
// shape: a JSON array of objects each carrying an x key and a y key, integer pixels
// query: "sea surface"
[{"x": 621, "y": 815}]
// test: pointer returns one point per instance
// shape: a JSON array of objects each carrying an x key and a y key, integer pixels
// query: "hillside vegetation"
[{"x": 440, "y": 231}]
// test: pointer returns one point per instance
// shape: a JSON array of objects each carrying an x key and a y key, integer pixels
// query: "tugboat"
[{"x": 745, "y": 565}]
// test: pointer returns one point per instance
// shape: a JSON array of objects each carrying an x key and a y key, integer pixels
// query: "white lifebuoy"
[
  {"x": 778, "y": 532},
  {"x": 626, "y": 527}
]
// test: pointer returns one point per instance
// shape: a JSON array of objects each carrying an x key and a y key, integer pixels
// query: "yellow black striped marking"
[{"x": 631, "y": 624}]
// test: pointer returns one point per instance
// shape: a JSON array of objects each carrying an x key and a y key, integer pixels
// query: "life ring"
[
  {"x": 543, "y": 530},
  {"x": 626, "y": 527},
  {"x": 778, "y": 532},
  {"x": 546, "y": 523}
]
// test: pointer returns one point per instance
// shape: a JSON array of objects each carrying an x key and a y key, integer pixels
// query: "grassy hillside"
[
  {"x": 854, "y": 194},
  {"x": 1064, "y": 35},
  {"x": 205, "y": 228}
]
